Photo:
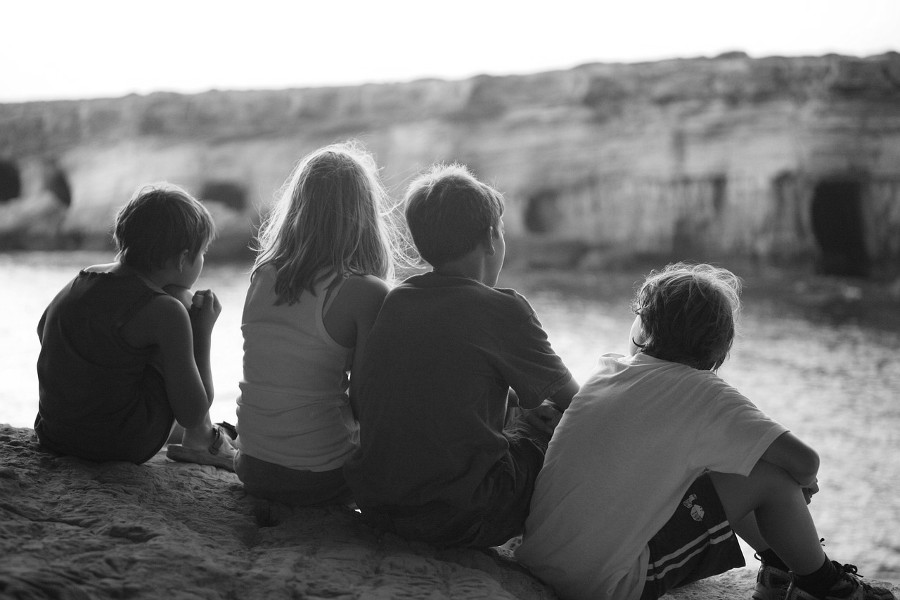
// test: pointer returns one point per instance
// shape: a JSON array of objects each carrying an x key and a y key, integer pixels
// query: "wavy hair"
[
  {"x": 331, "y": 216},
  {"x": 689, "y": 314}
]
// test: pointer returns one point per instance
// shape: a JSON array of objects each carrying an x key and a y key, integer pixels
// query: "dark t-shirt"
[
  {"x": 100, "y": 399},
  {"x": 439, "y": 363}
]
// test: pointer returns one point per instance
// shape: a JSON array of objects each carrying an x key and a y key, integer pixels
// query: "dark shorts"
[
  {"x": 134, "y": 434},
  {"x": 510, "y": 485},
  {"x": 696, "y": 543},
  {"x": 291, "y": 486}
]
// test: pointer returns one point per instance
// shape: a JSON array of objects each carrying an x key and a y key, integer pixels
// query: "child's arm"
[
  {"x": 165, "y": 323},
  {"x": 546, "y": 416},
  {"x": 205, "y": 309},
  {"x": 194, "y": 303},
  {"x": 351, "y": 316},
  {"x": 563, "y": 396},
  {"x": 799, "y": 460}
]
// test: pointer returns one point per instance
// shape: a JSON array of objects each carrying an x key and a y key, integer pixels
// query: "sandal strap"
[{"x": 216, "y": 441}]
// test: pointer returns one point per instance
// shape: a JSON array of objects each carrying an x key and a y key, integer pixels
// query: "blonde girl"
[{"x": 325, "y": 257}]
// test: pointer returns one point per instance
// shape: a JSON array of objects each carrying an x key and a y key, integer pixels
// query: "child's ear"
[
  {"x": 637, "y": 337},
  {"x": 183, "y": 259},
  {"x": 489, "y": 241}
]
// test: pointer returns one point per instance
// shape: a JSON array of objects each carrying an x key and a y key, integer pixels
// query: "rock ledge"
[{"x": 74, "y": 529}]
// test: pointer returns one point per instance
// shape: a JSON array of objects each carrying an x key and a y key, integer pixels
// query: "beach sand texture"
[{"x": 75, "y": 529}]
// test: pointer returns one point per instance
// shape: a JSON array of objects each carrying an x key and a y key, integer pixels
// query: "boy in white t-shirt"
[{"x": 658, "y": 462}]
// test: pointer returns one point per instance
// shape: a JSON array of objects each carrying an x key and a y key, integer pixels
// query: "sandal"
[{"x": 211, "y": 456}]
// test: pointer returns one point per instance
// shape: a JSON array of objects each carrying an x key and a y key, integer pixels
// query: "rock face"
[
  {"x": 773, "y": 157},
  {"x": 74, "y": 529}
]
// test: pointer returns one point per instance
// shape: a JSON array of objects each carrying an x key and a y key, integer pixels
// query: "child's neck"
[
  {"x": 469, "y": 266},
  {"x": 158, "y": 277}
]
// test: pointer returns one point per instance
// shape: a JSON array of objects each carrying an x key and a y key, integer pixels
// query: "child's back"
[
  {"x": 293, "y": 409},
  {"x": 100, "y": 398},
  {"x": 317, "y": 285},
  {"x": 125, "y": 346},
  {"x": 640, "y": 431},
  {"x": 435, "y": 463},
  {"x": 440, "y": 361},
  {"x": 658, "y": 463}
]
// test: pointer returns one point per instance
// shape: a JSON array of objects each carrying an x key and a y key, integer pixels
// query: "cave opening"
[
  {"x": 719, "y": 192},
  {"x": 10, "y": 181},
  {"x": 233, "y": 195},
  {"x": 542, "y": 212},
  {"x": 838, "y": 226},
  {"x": 57, "y": 183}
]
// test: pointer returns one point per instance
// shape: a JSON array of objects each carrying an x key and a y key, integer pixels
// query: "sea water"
[{"x": 835, "y": 382}]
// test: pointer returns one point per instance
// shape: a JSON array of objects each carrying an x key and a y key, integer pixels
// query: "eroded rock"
[{"x": 75, "y": 529}]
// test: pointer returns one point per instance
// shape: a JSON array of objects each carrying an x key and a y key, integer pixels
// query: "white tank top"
[{"x": 293, "y": 409}]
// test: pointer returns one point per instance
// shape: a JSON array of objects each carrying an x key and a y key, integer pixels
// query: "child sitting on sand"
[
  {"x": 325, "y": 253},
  {"x": 658, "y": 462},
  {"x": 125, "y": 345},
  {"x": 435, "y": 462}
]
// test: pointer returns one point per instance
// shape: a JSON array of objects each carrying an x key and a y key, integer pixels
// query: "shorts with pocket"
[{"x": 697, "y": 542}]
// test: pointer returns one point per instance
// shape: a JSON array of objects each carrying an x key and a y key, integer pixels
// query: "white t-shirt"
[
  {"x": 636, "y": 436},
  {"x": 293, "y": 409}
]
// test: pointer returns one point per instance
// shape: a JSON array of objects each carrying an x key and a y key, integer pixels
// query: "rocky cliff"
[
  {"x": 771, "y": 157},
  {"x": 77, "y": 530}
]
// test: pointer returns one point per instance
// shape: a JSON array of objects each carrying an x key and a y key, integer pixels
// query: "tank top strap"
[{"x": 334, "y": 287}]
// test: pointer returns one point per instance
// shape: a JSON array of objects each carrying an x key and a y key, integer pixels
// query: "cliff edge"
[
  {"x": 762, "y": 158},
  {"x": 75, "y": 529}
]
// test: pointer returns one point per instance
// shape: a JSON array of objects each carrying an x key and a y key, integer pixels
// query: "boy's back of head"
[
  {"x": 449, "y": 212},
  {"x": 158, "y": 223},
  {"x": 688, "y": 314}
]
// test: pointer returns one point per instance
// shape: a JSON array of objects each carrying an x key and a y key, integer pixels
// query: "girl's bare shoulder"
[{"x": 368, "y": 284}]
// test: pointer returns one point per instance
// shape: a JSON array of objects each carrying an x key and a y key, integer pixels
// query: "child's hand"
[
  {"x": 544, "y": 417},
  {"x": 809, "y": 492},
  {"x": 205, "y": 309}
]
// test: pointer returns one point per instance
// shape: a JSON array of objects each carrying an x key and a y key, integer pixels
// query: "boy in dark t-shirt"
[{"x": 436, "y": 462}]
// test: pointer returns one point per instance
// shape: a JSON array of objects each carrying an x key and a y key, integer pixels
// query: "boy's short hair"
[
  {"x": 449, "y": 212},
  {"x": 159, "y": 222},
  {"x": 689, "y": 314}
]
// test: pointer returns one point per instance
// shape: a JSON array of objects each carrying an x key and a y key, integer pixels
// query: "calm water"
[{"x": 821, "y": 357}]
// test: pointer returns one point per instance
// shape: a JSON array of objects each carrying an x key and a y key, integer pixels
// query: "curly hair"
[{"x": 689, "y": 314}]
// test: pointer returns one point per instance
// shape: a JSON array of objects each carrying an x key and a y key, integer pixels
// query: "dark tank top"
[{"x": 100, "y": 398}]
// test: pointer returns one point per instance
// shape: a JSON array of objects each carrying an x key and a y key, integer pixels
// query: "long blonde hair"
[{"x": 331, "y": 216}]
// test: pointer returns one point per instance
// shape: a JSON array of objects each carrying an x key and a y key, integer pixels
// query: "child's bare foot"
[{"x": 214, "y": 448}]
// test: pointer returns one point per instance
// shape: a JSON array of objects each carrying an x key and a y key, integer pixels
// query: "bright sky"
[{"x": 52, "y": 49}]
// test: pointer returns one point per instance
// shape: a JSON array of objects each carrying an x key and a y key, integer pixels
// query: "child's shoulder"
[
  {"x": 513, "y": 301},
  {"x": 162, "y": 315},
  {"x": 359, "y": 295},
  {"x": 104, "y": 268},
  {"x": 367, "y": 284},
  {"x": 364, "y": 288},
  {"x": 163, "y": 308}
]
